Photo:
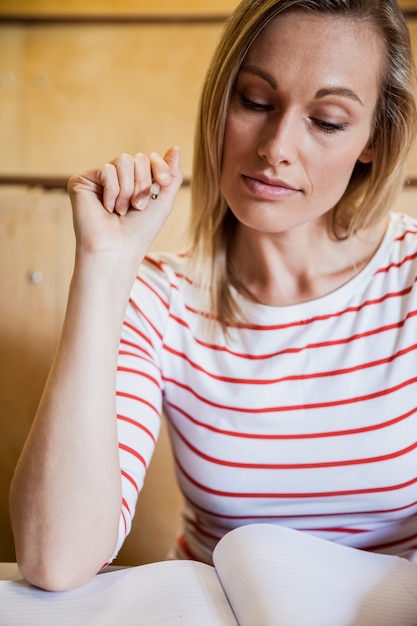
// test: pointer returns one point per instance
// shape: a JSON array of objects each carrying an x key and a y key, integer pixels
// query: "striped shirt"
[{"x": 305, "y": 417}]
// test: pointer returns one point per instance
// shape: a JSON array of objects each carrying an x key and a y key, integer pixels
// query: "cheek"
[
  {"x": 329, "y": 178},
  {"x": 239, "y": 134},
  {"x": 335, "y": 166},
  {"x": 233, "y": 148}
]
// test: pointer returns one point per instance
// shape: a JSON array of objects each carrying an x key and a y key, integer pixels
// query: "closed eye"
[
  {"x": 254, "y": 106},
  {"x": 329, "y": 127}
]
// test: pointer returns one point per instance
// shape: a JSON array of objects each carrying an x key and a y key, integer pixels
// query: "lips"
[{"x": 268, "y": 188}]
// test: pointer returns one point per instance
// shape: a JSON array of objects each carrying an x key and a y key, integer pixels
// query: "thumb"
[{"x": 172, "y": 158}]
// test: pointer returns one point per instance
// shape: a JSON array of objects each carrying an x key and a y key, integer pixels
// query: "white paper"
[
  {"x": 171, "y": 593},
  {"x": 277, "y": 576}
]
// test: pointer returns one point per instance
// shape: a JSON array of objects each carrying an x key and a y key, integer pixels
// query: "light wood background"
[{"x": 74, "y": 94}]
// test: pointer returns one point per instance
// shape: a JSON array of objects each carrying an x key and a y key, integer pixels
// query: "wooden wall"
[{"x": 80, "y": 82}]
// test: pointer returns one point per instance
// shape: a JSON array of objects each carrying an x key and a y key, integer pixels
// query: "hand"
[{"x": 112, "y": 207}]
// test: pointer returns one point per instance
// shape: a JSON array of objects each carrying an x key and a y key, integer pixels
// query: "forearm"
[
  {"x": 65, "y": 496},
  {"x": 65, "y": 499}
]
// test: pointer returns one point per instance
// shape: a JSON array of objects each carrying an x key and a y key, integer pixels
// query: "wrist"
[{"x": 104, "y": 282}]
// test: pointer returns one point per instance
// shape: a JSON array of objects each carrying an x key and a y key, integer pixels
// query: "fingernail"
[{"x": 140, "y": 203}]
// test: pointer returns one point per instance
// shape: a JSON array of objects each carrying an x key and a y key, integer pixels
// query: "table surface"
[{"x": 9, "y": 571}]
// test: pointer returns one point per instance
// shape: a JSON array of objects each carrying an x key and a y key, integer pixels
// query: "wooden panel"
[
  {"x": 408, "y": 201},
  {"x": 102, "y": 90},
  {"x": 117, "y": 7},
  {"x": 11, "y": 94},
  {"x": 36, "y": 260},
  {"x": 408, "y": 4},
  {"x": 84, "y": 94}
]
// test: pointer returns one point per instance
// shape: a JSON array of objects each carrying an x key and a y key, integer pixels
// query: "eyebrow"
[
  {"x": 345, "y": 92},
  {"x": 258, "y": 71},
  {"x": 338, "y": 91}
]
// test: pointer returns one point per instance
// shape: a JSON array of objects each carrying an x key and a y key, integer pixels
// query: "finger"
[
  {"x": 172, "y": 159},
  {"x": 165, "y": 175},
  {"x": 161, "y": 176},
  {"x": 108, "y": 179},
  {"x": 142, "y": 181},
  {"x": 125, "y": 168},
  {"x": 161, "y": 173},
  {"x": 101, "y": 182}
]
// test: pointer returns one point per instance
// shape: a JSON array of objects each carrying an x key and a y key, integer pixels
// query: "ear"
[{"x": 367, "y": 154}]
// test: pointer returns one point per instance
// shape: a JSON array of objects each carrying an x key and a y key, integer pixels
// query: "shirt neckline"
[{"x": 338, "y": 296}]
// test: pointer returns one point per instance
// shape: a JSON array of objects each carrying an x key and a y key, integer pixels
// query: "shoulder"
[
  {"x": 403, "y": 228},
  {"x": 396, "y": 260},
  {"x": 163, "y": 283},
  {"x": 163, "y": 270},
  {"x": 402, "y": 238}
]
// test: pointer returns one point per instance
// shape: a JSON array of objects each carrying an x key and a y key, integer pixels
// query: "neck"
[{"x": 299, "y": 265}]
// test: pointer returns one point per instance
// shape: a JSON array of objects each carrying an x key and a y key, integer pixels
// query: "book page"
[
  {"x": 170, "y": 593},
  {"x": 276, "y": 576}
]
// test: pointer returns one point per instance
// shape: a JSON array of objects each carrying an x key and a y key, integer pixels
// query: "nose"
[{"x": 279, "y": 142}]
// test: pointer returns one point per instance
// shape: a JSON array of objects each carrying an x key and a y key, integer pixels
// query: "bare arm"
[{"x": 66, "y": 496}]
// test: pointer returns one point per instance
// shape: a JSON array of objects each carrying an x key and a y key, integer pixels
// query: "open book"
[{"x": 264, "y": 575}]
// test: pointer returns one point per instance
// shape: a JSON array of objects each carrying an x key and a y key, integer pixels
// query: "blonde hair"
[{"x": 372, "y": 187}]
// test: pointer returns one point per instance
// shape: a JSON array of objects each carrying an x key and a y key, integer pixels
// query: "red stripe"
[
  {"x": 152, "y": 261},
  {"x": 124, "y": 342},
  {"x": 406, "y": 259},
  {"x": 271, "y": 381},
  {"x": 137, "y": 425},
  {"x": 153, "y": 290},
  {"x": 297, "y": 350},
  {"x": 126, "y": 353},
  {"x": 404, "y": 235},
  {"x": 218, "y": 515},
  {"x": 338, "y": 433},
  {"x": 390, "y": 544},
  {"x": 185, "y": 548},
  {"x": 296, "y": 407},
  {"x": 130, "y": 396},
  {"x": 130, "y": 479},
  {"x": 125, "y": 504},
  {"x": 294, "y": 466},
  {"x": 144, "y": 317},
  {"x": 161, "y": 264},
  {"x": 134, "y": 453},
  {"x": 337, "y": 529},
  {"x": 303, "y": 322},
  {"x": 136, "y": 330},
  {"x": 130, "y": 370},
  {"x": 318, "y": 494}
]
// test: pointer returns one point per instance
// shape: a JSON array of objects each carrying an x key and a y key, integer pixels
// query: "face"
[{"x": 300, "y": 117}]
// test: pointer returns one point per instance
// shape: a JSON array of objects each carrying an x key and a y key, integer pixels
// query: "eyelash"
[
  {"x": 254, "y": 106},
  {"x": 329, "y": 127},
  {"x": 322, "y": 125}
]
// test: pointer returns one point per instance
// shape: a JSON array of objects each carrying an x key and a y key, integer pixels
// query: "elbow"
[{"x": 53, "y": 576}]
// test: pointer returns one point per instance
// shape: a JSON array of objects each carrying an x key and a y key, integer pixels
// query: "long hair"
[{"x": 372, "y": 187}]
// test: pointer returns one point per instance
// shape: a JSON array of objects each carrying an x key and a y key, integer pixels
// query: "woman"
[{"x": 281, "y": 347}]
